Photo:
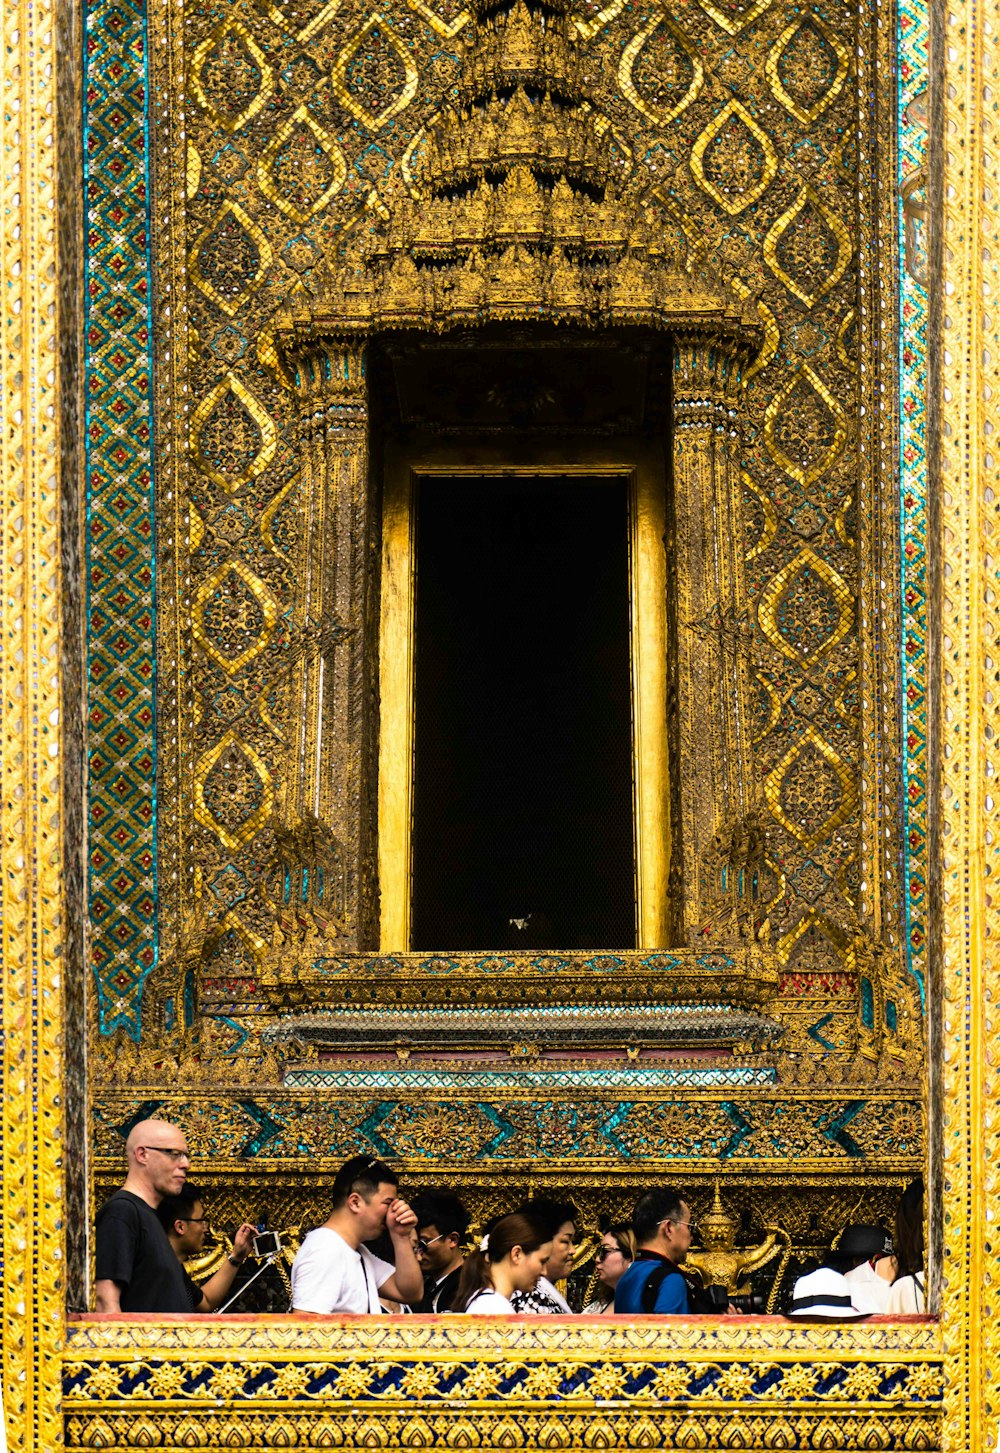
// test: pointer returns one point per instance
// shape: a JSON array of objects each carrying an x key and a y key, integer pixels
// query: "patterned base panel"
[{"x": 418, "y": 1382}]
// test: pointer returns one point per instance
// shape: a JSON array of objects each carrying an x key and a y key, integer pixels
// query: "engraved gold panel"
[
  {"x": 821, "y": 225},
  {"x": 797, "y": 31},
  {"x": 811, "y": 746},
  {"x": 805, "y": 392},
  {"x": 224, "y": 229},
  {"x": 400, "y": 90},
  {"x": 447, "y": 29},
  {"x": 248, "y": 436},
  {"x": 769, "y": 348},
  {"x": 736, "y": 16},
  {"x": 237, "y": 758},
  {"x": 746, "y": 183},
  {"x": 235, "y": 573},
  {"x": 684, "y": 90},
  {"x": 769, "y": 514},
  {"x": 312, "y": 165},
  {"x": 804, "y": 572},
  {"x": 231, "y": 36}
]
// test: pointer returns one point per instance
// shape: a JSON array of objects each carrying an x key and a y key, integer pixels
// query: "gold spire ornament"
[
  {"x": 528, "y": 208},
  {"x": 718, "y": 1262}
]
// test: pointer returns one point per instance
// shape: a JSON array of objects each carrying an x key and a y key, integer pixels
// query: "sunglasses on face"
[
  {"x": 605, "y": 1251},
  {"x": 423, "y": 1245}
]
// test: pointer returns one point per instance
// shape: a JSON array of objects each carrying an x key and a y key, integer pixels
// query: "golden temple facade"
[{"x": 289, "y": 288}]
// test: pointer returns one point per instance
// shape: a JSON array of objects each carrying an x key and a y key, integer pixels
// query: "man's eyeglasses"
[
  {"x": 168, "y": 1150},
  {"x": 193, "y": 1220},
  {"x": 669, "y": 1221},
  {"x": 423, "y": 1245}
]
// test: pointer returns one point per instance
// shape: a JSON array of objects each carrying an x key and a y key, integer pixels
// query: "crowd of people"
[{"x": 375, "y": 1252}]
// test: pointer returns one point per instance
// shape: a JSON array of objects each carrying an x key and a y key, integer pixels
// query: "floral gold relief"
[
  {"x": 230, "y": 76},
  {"x": 734, "y": 160}
]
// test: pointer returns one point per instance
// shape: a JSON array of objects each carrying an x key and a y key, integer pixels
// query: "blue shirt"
[{"x": 671, "y": 1297}]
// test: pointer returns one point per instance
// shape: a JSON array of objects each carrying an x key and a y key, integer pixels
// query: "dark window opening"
[{"x": 522, "y": 794}]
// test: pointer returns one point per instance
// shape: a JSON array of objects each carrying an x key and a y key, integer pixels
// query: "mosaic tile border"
[
  {"x": 912, "y": 79},
  {"x": 120, "y": 520}
]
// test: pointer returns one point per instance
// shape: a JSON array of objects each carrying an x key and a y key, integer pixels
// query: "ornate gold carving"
[
  {"x": 230, "y": 76},
  {"x": 808, "y": 247},
  {"x": 395, "y": 95},
  {"x": 814, "y": 40},
  {"x": 719, "y": 1263},
  {"x": 769, "y": 518},
  {"x": 613, "y": 1383},
  {"x": 681, "y": 75},
  {"x": 446, "y": 28},
  {"x": 230, "y": 256},
  {"x": 240, "y": 801},
  {"x": 811, "y": 790},
  {"x": 221, "y": 593},
  {"x": 807, "y": 608},
  {"x": 734, "y": 178},
  {"x": 805, "y": 427},
  {"x": 302, "y": 168},
  {"x": 233, "y": 439},
  {"x": 734, "y": 16}
]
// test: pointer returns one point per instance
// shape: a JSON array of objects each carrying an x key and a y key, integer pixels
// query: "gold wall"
[
  {"x": 40, "y": 787},
  {"x": 759, "y": 143}
]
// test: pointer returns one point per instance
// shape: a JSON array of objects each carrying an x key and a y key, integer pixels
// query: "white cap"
[{"x": 823, "y": 1293}]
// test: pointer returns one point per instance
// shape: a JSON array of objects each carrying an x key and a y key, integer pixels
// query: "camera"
[{"x": 266, "y": 1243}]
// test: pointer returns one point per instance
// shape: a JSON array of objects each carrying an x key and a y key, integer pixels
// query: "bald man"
[{"x": 137, "y": 1269}]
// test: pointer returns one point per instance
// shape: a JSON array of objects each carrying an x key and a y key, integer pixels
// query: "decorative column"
[
  {"x": 327, "y": 876},
  {"x": 718, "y": 849}
]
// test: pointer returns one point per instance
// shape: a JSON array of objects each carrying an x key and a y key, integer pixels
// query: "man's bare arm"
[{"x": 109, "y": 1297}]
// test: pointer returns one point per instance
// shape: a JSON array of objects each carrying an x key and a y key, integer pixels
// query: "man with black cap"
[
  {"x": 873, "y": 1269},
  {"x": 847, "y": 1284}
]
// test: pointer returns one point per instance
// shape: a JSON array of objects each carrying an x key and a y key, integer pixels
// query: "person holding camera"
[{"x": 183, "y": 1219}]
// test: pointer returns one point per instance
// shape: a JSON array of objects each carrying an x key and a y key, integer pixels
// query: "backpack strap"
[{"x": 654, "y": 1281}]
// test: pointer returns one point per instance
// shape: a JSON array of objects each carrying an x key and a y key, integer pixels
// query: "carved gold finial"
[{"x": 718, "y": 1262}]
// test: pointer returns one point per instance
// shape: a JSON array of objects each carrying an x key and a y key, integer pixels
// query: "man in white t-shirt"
[{"x": 334, "y": 1271}]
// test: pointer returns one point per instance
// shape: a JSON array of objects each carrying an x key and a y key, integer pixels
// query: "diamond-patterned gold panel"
[
  {"x": 733, "y": 160},
  {"x": 811, "y": 790},
  {"x": 660, "y": 73},
  {"x": 740, "y": 119},
  {"x": 233, "y": 438},
  {"x": 810, "y": 50},
  {"x": 230, "y": 76},
  {"x": 233, "y": 792}
]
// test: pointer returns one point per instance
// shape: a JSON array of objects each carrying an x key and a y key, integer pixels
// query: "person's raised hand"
[
  {"x": 243, "y": 1241},
  {"x": 399, "y": 1219}
]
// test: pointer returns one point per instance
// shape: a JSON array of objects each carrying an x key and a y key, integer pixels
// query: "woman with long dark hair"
[
  {"x": 907, "y": 1295},
  {"x": 511, "y": 1257}
]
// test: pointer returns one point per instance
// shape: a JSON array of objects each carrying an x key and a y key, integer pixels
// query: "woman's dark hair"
[
  {"x": 554, "y": 1214},
  {"x": 910, "y": 1229},
  {"x": 519, "y": 1229}
]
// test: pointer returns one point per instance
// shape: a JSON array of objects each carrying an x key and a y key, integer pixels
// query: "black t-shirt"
[{"x": 133, "y": 1250}]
